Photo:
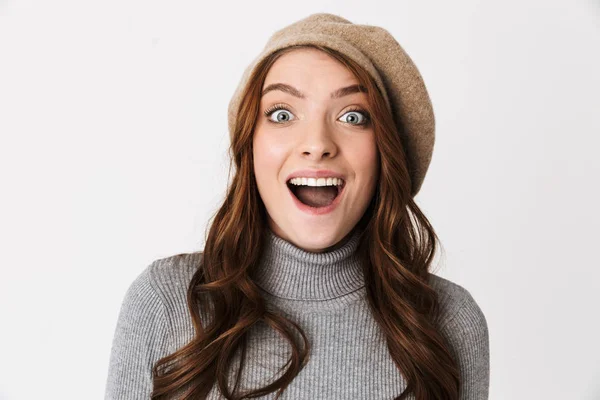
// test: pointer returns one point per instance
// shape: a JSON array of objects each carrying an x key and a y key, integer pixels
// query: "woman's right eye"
[{"x": 280, "y": 115}]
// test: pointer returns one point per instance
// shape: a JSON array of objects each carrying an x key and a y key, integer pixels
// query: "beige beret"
[{"x": 376, "y": 50}]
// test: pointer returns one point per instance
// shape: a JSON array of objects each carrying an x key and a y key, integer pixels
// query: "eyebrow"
[{"x": 341, "y": 92}]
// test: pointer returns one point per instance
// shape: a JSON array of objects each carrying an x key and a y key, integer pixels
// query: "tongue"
[{"x": 316, "y": 196}]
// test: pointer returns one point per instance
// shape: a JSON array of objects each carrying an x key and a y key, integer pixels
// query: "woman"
[{"x": 314, "y": 281}]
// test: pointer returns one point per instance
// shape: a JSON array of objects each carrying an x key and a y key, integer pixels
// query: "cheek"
[
  {"x": 365, "y": 161},
  {"x": 268, "y": 160}
]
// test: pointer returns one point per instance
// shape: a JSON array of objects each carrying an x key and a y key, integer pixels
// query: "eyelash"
[{"x": 277, "y": 107}]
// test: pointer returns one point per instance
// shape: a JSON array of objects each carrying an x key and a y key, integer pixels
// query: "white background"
[{"x": 113, "y": 138}]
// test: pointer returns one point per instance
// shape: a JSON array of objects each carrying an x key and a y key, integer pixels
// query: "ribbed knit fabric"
[{"x": 325, "y": 294}]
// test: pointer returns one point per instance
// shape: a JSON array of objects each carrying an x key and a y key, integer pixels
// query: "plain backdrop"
[{"x": 113, "y": 152}]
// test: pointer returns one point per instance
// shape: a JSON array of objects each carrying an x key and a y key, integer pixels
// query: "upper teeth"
[{"x": 317, "y": 182}]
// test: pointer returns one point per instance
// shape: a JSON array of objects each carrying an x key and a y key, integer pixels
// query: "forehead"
[{"x": 306, "y": 67}]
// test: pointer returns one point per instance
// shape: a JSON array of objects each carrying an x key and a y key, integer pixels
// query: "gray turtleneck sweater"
[{"x": 325, "y": 294}]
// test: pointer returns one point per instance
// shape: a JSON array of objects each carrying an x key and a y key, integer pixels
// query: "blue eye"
[
  {"x": 280, "y": 117},
  {"x": 357, "y": 117}
]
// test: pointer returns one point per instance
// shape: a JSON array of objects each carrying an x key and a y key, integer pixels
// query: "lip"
[
  {"x": 315, "y": 173},
  {"x": 317, "y": 210}
]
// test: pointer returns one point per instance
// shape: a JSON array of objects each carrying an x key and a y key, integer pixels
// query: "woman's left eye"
[{"x": 356, "y": 117}]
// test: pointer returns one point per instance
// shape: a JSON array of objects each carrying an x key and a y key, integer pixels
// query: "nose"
[{"x": 318, "y": 141}]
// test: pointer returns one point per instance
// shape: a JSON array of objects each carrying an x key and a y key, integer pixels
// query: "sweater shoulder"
[
  {"x": 170, "y": 276},
  {"x": 464, "y": 325},
  {"x": 454, "y": 299}
]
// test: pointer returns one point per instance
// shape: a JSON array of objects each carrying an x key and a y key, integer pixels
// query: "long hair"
[{"x": 396, "y": 249}]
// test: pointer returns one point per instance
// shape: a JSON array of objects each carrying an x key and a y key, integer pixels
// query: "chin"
[
  {"x": 318, "y": 240},
  {"x": 310, "y": 238}
]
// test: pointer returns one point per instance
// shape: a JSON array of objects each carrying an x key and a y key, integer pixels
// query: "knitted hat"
[{"x": 376, "y": 50}]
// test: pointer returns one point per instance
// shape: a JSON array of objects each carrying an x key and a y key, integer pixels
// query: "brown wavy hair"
[{"x": 396, "y": 248}]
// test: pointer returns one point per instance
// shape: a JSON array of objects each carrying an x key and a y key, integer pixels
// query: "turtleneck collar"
[{"x": 290, "y": 272}]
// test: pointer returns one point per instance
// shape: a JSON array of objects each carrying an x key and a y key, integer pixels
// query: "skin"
[{"x": 315, "y": 132}]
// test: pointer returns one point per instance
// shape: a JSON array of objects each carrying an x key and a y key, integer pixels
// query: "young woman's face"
[{"x": 314, "y": 133}]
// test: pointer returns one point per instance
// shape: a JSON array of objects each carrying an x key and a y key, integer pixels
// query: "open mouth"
[{"x": 316, "y": 196}]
